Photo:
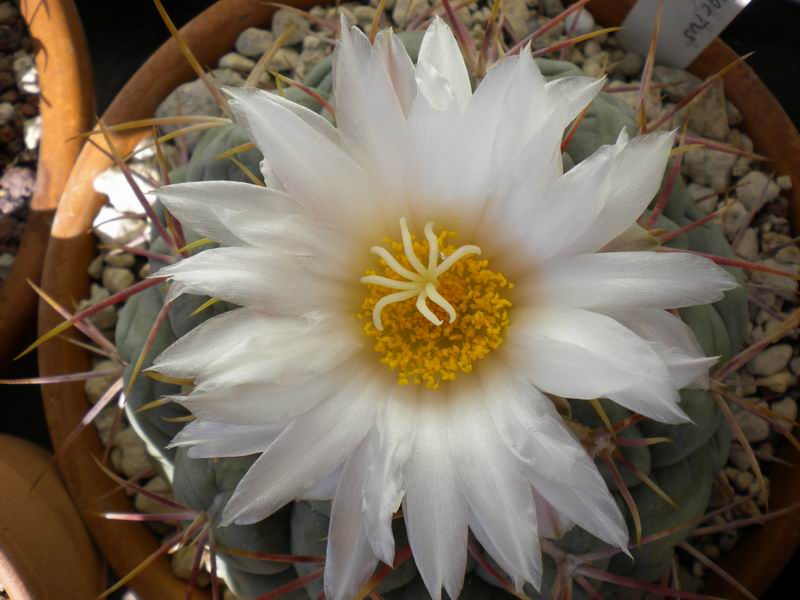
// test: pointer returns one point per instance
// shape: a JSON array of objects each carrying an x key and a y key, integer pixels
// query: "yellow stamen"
[{"x": 464, "y": 321}]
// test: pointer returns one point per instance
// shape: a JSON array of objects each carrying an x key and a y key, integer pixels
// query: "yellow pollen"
[{"x": 433, "y": 309}]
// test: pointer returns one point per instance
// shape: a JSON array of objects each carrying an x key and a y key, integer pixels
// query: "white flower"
[{"x": 433, "y": 398}]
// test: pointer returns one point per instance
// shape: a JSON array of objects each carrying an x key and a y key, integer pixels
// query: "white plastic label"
[{"x": 687, "y": 27}]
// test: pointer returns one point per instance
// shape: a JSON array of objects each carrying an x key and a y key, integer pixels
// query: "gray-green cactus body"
[{"x": 683, "y": 468}]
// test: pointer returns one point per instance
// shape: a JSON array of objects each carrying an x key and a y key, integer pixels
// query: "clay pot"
[
  {"x": 45, "y": 552},
  {"x": 70, "y": 250},
  {"x": 66, "y": 107}
]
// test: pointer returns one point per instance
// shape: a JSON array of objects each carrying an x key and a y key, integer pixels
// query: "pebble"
[
  {"x": 748, "y": 244},
  {"x": 237, "y": 62},
  {"x": 707, "y": 114},
  {"x": 771, "y": 360},
  {"x": 157, "y": 485},
  {"x": 106, "y": 318},
  {"x": 551, "y": 8},
  {"x": 734, "y": 116},
  {"x": 193, "y": 98},
  {"x": 794, "y": 364},
  {"x": 32, "y": 132},
  {"x": 7, "y": 112},
  {"x": 789, "y": 255},
  {"x": 253, "y": 42},
  {"x": 784, "y": 182},
  {"x": 709, "y": 168},
  {"x": 95, "y": 270},
  {"x": 120, "y": 259},
  {"x": 677, "y": 82},
  {"x": 738, "y": 458},
  {"x": 786, "y": 408},
  {"x": 743, "y": 480},
  {"x": 283, "y": 19},
  {"x": 592, "y": 48},
  {"x": 579, "y": 23},
  {"x": 757, "y": 188},
  {"x": 97, "y": 386},
  {"x": 116, "y": 279},
  {"x": 129, "y": 454},
  {"x": 8, "y": 13},
  {"x": 6, "y": 262},
  {"x": 782, "y": 286},
  {"x": 26, "y": 74},
  {"x": 755, "y": 429},
  {"x": 778, "y": 383},
  {"x": 182, "y": 562},
  {"x": 734, "y": 219},
  {"x": 517, "y": 16},
  {"x": 597, "y": 65},
  {"x": 631, "y": 64},
  {"x": 404, "y": 11}
]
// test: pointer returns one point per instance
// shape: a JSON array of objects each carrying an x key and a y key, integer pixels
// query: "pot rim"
[
  {"x": 62, "y": 61},
  {"x": 65, "y": 404}
]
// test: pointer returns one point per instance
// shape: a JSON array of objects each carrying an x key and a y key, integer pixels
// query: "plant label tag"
[{"x": 687, "y": 27}]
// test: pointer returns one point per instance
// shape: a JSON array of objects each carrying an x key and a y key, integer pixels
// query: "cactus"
[{"x": 682, "y": 469}]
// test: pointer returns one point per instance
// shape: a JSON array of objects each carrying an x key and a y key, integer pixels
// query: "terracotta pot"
[
  {"x": 70, "y": 250},
  {"x": 67, "y": 108},
  {"x": 45, "y": 552}
]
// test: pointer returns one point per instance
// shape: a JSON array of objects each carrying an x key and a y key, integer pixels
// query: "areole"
[{"x": 211, "y": 34}]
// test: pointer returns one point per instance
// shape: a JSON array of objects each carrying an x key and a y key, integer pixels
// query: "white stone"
[
  {"x": 131, "y": 456},
  {"x": 579, "y": 23},
  {"x": 364, "y": 16},
  {"x": 26, "y": 74},
  {"x": 120, "y": 259},
  {"x": 756, "y": 189},
  {"x": 778, "y": 382},
  {"x": 253, "y": 42},
  {"x": 237, "y": 62},
  {"x": 406, "y": 10},
  {"x": 6, "y": 261},
  {"x": 709, "y": 168},
  {"x": 8, "y": 13},
  {"x": 283, "y": 19},
  {"x": 631, "y": 64},
  {"x": 734, "y": 219},
  {"x": 777, "y": 284},
  {"x": 111, "y": 224},
  {"x": 106, "y": 318},
  {"x": 6, "y": 112},
  {"x": 748, "y": 244},
  {"x": 95, "y": 270},
  {"x": 32, "y": 132},
  {"x": 707, "y": 114},
  {"x": 677, "y": 82},
  {"x": 159, "y": 486},
  {"x": 734, "y": 116},
  {"x": 182, "y": 561},
  {"x": 784, "y": 182},
  {"x": 194, "y": 98},
  {"x": 97, "y": 386},
  {"x": 592, "y": 48},
  {"x": 786, "y": 408},
  {"x": 770, "y": 360},
  {"x": 116, "y": 279},
  {"x": 755, "y": 429},
  {"x": 517, "y": 16}
]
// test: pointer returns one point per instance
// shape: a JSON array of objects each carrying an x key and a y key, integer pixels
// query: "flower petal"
[
  {"x": 390, "y": 446},
  {"x": 399, "y": 67},
  {"x": 243, "y": 346},
  {"x": 369, "y": 116},
  {"x": 440, "y": 62},
  {"x": 434, "y": 508},
  {"x": 621, "y": 280},
  {"x": 349, "y": 560},
  {"x": 206, "y": 207},
  {"x": 313, "y": 169},
  {"x": 211, "y": 440},
  {"x": 306, "y": 451},
  {"x": 502, "y": 512},
  {"x": 673, "y": 341},
  {"x": 554, "y": 460},
  {"x": 575, "y": 353},
  {"x": 266, "y": 280},
  {"x": 634, "y": 175}
]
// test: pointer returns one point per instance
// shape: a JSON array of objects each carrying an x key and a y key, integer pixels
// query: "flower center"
[{"x": 432, "y": 321}]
